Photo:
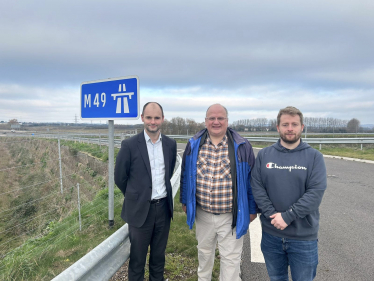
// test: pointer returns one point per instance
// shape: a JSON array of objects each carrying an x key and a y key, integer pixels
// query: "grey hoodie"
[{"x": 291, "y": 182}]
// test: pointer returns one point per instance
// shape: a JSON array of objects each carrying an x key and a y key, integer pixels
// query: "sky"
[{"x": 254, "y": 57}]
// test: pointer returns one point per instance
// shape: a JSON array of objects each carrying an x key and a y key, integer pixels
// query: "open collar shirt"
[
  {"x": 156, "y": 160},
  {"x": 213, "y": 180}
]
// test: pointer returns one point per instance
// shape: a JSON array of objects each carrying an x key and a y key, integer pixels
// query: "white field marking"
[
  {"x": 255, "y": 235},
  {"x": 349, "y": 159}
]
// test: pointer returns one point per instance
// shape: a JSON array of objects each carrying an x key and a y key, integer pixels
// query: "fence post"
[
  {"x": 320, "y": 146},
  {"x": 59, "y": 161},
  {"x": 79, "y": 208},
  {"x": 111, "y": 172},
  {"x": 100, "y": 140}
]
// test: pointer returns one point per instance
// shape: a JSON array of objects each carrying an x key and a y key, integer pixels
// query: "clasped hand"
[{"x": 278, "y": 222}]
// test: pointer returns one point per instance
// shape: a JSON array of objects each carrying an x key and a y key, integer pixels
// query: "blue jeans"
[{"x": 300, "y": 255}]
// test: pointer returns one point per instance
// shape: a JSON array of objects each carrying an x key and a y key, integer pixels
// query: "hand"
[
  {"x": 278, "y": 222},
  {"x": 184, "y": 208},
  {"x": 252, "y": 217}
]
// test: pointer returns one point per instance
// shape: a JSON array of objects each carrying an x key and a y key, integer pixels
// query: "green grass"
[
  {"x": 62, "y": 243},
  {"x": 92, "y": 149},
  {"x": 352, "y": 151},
  {"x": 343, "y": 150}
]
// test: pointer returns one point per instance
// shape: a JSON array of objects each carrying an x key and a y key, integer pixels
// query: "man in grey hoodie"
[{"x": 288, "y": 182}]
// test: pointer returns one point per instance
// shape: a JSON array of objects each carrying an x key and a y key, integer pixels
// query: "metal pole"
[
  {"x": 320, "y": 146},
  {"x": 59, "y": 161},
  {"x": 361, "y": 146},
  {"x": 306, "y": 128},
  {"x": 100, "y": 140},
  {"x": 111, "y": 172},
  {"x": 79, "y": 209}
]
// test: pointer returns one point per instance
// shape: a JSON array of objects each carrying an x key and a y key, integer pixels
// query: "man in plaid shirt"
[{"x": 216, "y": 192}]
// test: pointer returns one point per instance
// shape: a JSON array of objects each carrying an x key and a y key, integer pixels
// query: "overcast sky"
[{"x": 254, "y": 57}]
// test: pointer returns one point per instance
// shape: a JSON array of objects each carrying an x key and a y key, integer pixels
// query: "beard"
[
  {"x": 150, "y": 130},
  {"x": 287, "y": 137}
]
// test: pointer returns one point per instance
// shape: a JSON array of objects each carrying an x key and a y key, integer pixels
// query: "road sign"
[{"x": 116, "y": 98}]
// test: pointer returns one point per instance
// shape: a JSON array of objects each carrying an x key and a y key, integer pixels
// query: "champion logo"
[{"x": 272, "y": 165}]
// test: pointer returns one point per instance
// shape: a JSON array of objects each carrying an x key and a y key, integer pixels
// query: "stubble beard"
[
  {"x": 290, "y": 141},
  {"x": 148, "y": 129}
]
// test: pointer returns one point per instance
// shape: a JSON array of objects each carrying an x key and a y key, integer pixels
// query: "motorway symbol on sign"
[{"x": 111, "y": 99}]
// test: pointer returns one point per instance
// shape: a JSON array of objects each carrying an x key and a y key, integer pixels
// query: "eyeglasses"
[{"x": 219, "y": 119}]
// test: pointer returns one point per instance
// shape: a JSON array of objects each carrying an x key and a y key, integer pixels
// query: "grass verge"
[
  {"x": 92, "y": 149},
  {"x": 342, "y": 150},
  {"x": 62, "y": 243}
]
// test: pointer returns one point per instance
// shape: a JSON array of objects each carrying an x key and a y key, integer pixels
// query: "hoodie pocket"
[{"x": 310, "y": 221}]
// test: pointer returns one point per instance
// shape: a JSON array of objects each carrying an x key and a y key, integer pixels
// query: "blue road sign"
[{"x": 116, "y": 98}]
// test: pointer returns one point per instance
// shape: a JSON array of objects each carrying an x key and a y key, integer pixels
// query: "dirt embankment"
[{"x": 30, "y": 186}]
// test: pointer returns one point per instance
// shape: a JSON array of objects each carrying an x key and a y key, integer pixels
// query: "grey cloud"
[
  {"x": 218, "y": 47},
  {"x": 196, "y": 43}
]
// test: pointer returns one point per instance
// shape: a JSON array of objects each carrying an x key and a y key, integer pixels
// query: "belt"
[{"x": 156, "y": 201}]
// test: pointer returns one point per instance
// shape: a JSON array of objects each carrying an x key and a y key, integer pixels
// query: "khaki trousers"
[{"x": 211, "y": 229}]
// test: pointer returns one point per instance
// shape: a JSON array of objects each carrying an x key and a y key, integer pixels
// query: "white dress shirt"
[{"x": 156, "y": 159}]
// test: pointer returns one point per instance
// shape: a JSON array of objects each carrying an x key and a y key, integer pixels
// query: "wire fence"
[{"x": 42, "y": 185}]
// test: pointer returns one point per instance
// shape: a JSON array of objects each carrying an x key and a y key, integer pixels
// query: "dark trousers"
[{"x": 154, "y": 232}]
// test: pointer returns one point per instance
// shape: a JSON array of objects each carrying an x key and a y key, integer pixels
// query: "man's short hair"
[
  {"x": 290, "y": 110},
  {"x": 227, "y": 113},
  {"x": 162, "y": 111}
]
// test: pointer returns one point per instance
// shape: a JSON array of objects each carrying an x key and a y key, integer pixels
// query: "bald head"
[
  {"x": 217, "y": 105},
  {"x": 153, "y": 103}
]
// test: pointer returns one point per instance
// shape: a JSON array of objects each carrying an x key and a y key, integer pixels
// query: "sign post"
[{"x": 111, "y": 99}]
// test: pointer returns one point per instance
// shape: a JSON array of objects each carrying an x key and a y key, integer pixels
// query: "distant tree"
[
  {"x": 178, "y": 125},
  {"x": 240, "y": 128},
  {"x": 191, "y": 126},
  {"x": 273, "y": 124},
  {"x": 353, "y": 125},
  {"x": 13, "y": 121},
  {"x": 165, "y": 127}
]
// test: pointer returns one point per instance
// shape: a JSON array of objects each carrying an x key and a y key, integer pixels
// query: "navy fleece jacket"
[{"x": 291, "y": 182}]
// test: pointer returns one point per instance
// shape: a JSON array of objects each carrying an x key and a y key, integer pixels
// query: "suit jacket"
[{"x": 133, "y": 177}]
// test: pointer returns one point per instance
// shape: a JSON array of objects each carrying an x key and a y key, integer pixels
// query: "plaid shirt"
[{"x": 213, "y": 180}]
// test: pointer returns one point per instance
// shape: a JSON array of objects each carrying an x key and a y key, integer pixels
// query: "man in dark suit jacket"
[{"x": 144, "y": 167}]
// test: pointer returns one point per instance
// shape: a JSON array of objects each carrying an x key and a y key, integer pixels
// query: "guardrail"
[
  {"x": 318, "y": 140},
  {"x": 105, "y": 260},
  {"x": 96, "y": 139}
]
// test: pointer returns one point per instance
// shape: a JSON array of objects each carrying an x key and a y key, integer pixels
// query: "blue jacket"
[{"x": 243, "y": 201}]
